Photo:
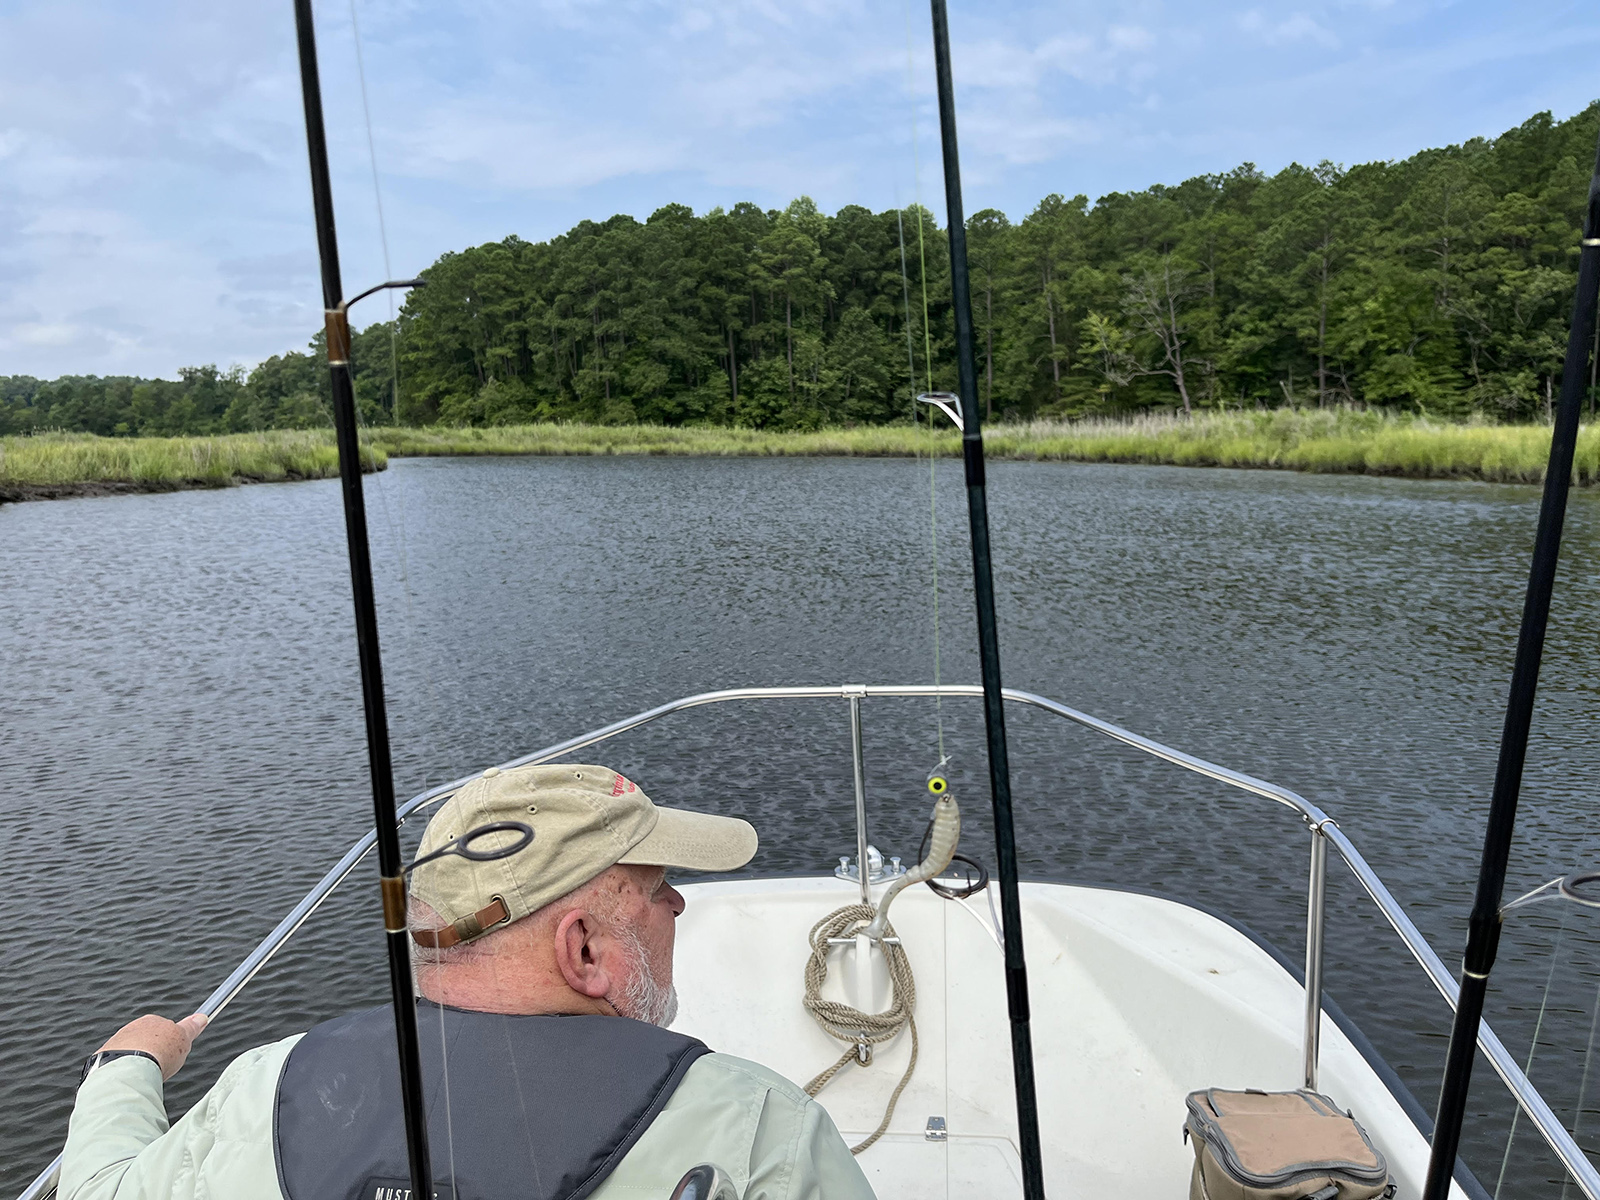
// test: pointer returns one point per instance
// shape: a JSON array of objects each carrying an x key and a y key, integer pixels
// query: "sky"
[{"x": 155, "y": 206}]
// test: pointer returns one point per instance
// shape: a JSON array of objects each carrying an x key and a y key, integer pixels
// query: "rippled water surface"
[{"x": 181, "y": 749}]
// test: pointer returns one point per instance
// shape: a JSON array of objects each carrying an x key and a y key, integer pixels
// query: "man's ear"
[{"x": 578, "y": 954}]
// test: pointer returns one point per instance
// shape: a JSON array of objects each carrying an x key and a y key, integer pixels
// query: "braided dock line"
[{"x": 850, "y": 1024}]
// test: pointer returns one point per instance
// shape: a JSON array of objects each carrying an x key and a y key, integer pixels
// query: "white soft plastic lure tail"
[{"x": 941, "y": 849}]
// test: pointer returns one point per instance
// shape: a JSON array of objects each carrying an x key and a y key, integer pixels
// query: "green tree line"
[
  {"x": 287, "y": 391},
  {"x": 1440, "y": 284}
]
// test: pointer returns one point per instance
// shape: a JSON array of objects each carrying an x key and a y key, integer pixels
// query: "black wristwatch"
[{"x": 100, "y": 1057}]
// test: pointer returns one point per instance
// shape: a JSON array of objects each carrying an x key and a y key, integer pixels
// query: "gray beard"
[{"x": 642, "y": 996}]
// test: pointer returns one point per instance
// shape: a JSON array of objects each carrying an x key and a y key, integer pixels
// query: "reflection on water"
[{"x": 181, "y": 747}]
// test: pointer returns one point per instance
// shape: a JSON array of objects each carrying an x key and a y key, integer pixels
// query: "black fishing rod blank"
[
  {"x": 988, "y": 638},
  {"x": 392, "y": 882},
  {"x": 1483, "y": 928}
]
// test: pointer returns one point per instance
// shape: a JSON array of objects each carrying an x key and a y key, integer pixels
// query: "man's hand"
[{"x": 168, "y": 1041}]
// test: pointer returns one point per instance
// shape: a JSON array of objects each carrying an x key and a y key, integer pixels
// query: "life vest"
[{"x": 532, "y": 1107}]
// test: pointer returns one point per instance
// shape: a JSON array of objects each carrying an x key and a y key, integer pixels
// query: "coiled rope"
[{"x": 849, "y": 1024}]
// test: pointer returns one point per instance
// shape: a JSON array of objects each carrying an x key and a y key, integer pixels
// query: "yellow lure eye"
[{"x": 937, "y": 785}]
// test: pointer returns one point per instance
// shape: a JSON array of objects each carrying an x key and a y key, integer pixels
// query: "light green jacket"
[{"x": 774, "y": 1140}]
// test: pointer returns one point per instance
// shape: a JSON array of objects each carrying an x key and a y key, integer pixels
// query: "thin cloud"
[
  {"x": 1129, "y": 37},
  {"x": 464, "y": 143},
  {"x": 1297, "y": 27}
]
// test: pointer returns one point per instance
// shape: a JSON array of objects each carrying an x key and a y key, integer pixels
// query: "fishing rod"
[
  {"x": 1483, "y": 928},
  {"x": 988, "y": 638},
  {"x": 391, "y": 871}
]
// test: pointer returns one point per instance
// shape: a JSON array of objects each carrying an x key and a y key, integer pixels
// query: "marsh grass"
[
  {"x": 1343, "y": 441},
  {"x": 1332, "y": 440},
  {"x": 873, "y": 441},
  {"x": 64, "y": 463}
]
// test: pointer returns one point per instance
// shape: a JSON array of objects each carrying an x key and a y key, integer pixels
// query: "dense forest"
[
  {"x": 288, "y": 391},
  {"x": 1441, "y": 285}
]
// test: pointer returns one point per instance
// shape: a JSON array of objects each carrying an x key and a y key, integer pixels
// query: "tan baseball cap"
[{"x": 584, "y": 820}]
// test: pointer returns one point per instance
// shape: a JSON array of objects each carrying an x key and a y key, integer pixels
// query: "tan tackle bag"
[{"x": 1254, "y": 1145}]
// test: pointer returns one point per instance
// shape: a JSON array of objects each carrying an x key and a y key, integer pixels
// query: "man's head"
[{"x": 581, "y": 920}]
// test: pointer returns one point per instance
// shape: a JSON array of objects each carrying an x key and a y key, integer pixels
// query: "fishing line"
[
  {"x": 1583, "y": 1085},
  {"x": 916, "y": 192},
  {"x": 927, "y": 336},
  {"x": 516, "y": 1077},
  {"x": 449, "y": 1116},
  {"x": 397, "y": 528},
  {"x": 1533, "y": 1046},
  {"x": 462, "y": 846},
  {"x": 865, "y": 926},
  {"x": 905, "y": 286},
  {"x": 383, "y": 230},
  {"x": 927, "y": 364},
  {"x": 397, "y": 532},
  {"x": 363, "y": 430},
  {"x": 440, "y": 978},
  {"x": 933, "y": 533},
  {"x": 372, "y": 153}
]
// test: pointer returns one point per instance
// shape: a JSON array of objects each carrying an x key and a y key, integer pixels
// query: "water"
[{"x": 181, "y": 749}]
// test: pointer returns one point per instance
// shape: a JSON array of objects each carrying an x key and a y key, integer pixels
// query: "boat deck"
[{"x": 1137, "y": 1000}]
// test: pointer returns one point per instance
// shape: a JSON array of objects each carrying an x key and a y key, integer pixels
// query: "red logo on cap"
[{"x": 622, "y": 783}]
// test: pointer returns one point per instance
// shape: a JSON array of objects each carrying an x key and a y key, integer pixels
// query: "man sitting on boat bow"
[{"x": 546, "y": 979}]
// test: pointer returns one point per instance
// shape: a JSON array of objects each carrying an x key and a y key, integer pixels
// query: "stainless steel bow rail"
[{"x": 1324, "y": 833}]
